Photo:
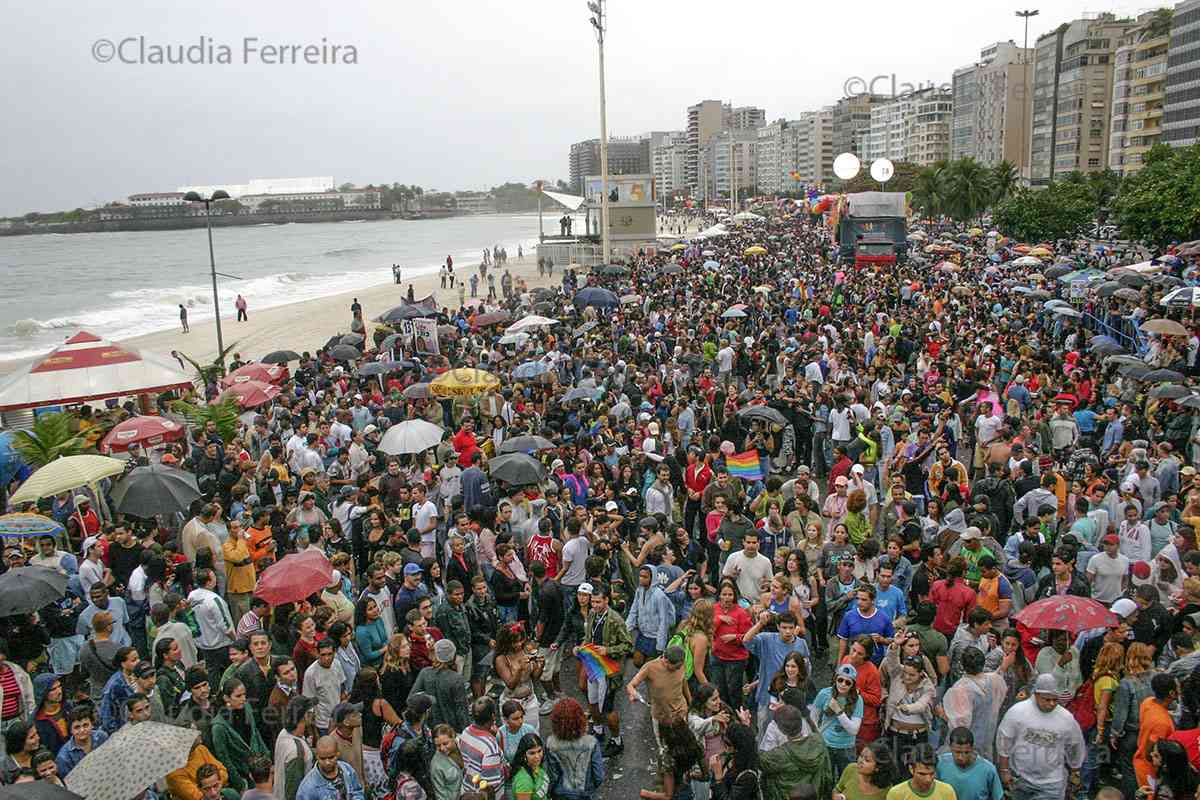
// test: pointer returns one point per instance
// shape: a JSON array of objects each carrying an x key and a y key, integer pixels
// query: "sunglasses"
[{"x": 846, "y": 681}]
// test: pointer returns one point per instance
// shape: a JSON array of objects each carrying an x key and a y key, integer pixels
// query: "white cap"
[
  {"x": 858, "y": 469},
  {"x": 1123, "y": 607}
]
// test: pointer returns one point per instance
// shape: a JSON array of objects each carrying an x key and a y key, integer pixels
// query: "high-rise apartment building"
[
  {"x": 814, "y": 146},
  {"x": 1181, "y": 119},
  {"x": 914, "y": 127},
  {"x": 1072, "y": 96},
  {"x": 627, "y": 155},
  {"x": 991, "y": 118},
  {"x": 731, "y": 158},
  {"x": 668, "y": 156},
  {"x": 1139, "y": 92},
  {"x": 852, "y": 122},
  {"x": 745, "y": 118},
  {"x": 775, "y": 154},
  {"x": 885, "y": 137},
  {"x": 704, "y": 120}
]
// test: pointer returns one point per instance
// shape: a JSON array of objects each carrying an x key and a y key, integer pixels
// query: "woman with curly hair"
[
  {"x": 870, "y": 777},
  {"x": 857, "y": 522},
  {"x": 577, "y": 751},
  {"x": 681, "y": 754},
  {"x": 517, "y": 670},
  {"x": 694, "y": 634}
]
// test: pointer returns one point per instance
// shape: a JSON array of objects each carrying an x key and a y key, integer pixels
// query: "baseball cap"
[
  {"x": 1188, "y": 470},
  {"x": 1046, "y": 684},
  {"x": 840, "y": 480},
  {"x": 412, "y": 569},
  {"x": 144, "y": 669},
  {"x": 586, "y": 588},
  {"x": 858, "y": 469},
  {"x": 1123, "y": 608},
  {"x": 369, "y": 430},
  {"x": 847, "y": 671},
  {"x": 343, "y": 710},
  {"x": 971, "y": 533},
  {"x": 444, "y": 651},
  {"x": 611, "y": 505},
  {"x": 1140, "y": 570},
  {"x": 1111, "y": 538}
]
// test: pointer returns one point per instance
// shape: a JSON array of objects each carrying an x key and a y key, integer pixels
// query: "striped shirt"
[{"x": 482, "y": 758}]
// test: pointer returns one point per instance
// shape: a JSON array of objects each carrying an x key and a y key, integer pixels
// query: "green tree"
[
  {"x": 1160, "y": 203},
  {"x": 209, "y": 373},
  {"x": 928, "y": 191},
  {"x": 968, "y": 189},
  {"x": 903, "y": 177},
  {"x": 49, "y": 438},
  {"x": 1005, "y": 180},
  {"x": 224, "y": 414},
  {"x": 1059, "y": 211}
]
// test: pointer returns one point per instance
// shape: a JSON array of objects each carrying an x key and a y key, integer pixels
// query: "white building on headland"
[
  {"x": 145, "y": 199},
  {"x": 267, "y": 186}
]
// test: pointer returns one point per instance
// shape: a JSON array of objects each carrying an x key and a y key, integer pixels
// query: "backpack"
[
  {"x": 679, "y": 639},
  {"x": 389, "y": 748},
  {"x": 757, "y": 781}
]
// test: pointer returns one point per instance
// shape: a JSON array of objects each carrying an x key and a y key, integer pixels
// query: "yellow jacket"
[
  {"x": 183, "y": 784},
  {"x": 238, "y": 579}
]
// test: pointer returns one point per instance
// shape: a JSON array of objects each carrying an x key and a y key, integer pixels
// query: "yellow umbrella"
[
  {"x": 1040, "y": 252},
  {"x": 65, "y": 474},
  {"x": 755, "y": 250},
  {"x": 463, "y": 382},
  {"x": 679, "y": 246},
  {"x": 976, "y": 231}
]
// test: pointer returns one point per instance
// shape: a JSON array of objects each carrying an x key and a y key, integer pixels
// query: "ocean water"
[{"x": 119, "y": 285}]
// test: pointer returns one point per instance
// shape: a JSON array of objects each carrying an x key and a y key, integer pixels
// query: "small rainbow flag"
[
  {"x": 745, "y": 465},
  {"x": 596, "y": 665}
]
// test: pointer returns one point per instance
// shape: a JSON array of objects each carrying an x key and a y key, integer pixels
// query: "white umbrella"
[
  {"x": 133, "y": 758},
  {"x": 1027, "y": 261},
  {"x": 531, "y": 321},
  {"x": 746, "y": 216},
  {"x": 1182, "y": 296},
  {"x": 518, "y": 338},
  {"x": 65, "y": 474},
  {"x": 410, "y": 436}
]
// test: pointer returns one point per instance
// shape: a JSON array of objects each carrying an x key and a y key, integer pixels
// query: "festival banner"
[
  {"x": 426, "y": 334},
  {"x": 405, "y": 328}
]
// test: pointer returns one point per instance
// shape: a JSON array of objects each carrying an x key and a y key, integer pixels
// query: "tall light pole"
[
  {"x": 1026, "y": 125},
  {"x": 194, "y": 197},
  {"x": 600, "y": 24}
]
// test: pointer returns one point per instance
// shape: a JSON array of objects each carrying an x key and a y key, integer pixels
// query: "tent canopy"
[
  {"x": 85, "y": 368},
  {"x": 571, "y": 201}
]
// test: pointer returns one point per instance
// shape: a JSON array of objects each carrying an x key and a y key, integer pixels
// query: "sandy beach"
[{"x": 308, "y": 325}]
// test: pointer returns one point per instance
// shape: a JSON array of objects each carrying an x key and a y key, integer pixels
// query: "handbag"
[{"x": 1083, "y": 706}]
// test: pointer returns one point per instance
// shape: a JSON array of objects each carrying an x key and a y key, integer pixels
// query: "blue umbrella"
[
  {"x": 595, "y": 296},
  {"x": 30, "y": 525},
  {"x": 710, "y": 264},
  {"x": 11, "y": 464},
  {"x": 531, "y": 369}
]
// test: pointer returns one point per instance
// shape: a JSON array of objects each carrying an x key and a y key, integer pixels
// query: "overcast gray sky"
[{"x": 457, "y": 95}]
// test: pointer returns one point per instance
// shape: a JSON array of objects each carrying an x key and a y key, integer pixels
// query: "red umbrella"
[
  {"x": 294, "y": 577},
  {"x": 144, "y": 431},
  {"x": 266, "y": 373},
  {"x": 251, "y": 394},
  {"x": 1066, "y": 613}
]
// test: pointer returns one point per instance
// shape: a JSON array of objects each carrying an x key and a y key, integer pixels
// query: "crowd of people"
[{"x": 791, "y": 506}]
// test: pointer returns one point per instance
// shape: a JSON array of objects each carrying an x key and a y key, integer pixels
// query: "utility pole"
[
  {"x": 1027, "y": 98},
  {"x": 599, "y": 23}
]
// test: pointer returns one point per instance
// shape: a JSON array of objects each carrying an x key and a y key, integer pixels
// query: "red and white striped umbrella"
[{"x": 145, "y": 431}]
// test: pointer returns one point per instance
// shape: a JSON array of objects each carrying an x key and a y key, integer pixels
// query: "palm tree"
[
  {"x": 1005, "y": 180},
  {"x": 968, "y": 188},
  {"x": 49, "y": 438},
  {"x": 223, "y": 414},
  {"x": 210, "y": 373},
  {"x": 928, "y": 190}
]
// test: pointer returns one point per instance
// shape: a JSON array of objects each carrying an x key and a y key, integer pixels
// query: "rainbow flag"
[
  {"x": 596, "y": 665},
  {"x": 745, "y": 465}
]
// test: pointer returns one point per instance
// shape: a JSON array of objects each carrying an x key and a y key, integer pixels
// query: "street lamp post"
[
  {"x": 194, "y": 197},
  {"x": 600, "y": 24},
  {"x": 1026, "y": 129}
]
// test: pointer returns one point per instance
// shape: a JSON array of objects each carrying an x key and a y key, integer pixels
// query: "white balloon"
[
  {"x": 846, "y": 166},
  {"x": 882, "y": 170}
]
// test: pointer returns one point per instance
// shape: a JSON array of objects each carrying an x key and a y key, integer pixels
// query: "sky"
[{"x": 458, "y": 95}]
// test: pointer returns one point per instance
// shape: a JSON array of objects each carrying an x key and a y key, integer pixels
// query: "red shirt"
[
  {"x": 12, "y": 694},
  {"x": 870, "y": 689},
  {"x": 953, "y": 603},
  {"x": 739, "y": 623},
  {"x": 697, "y": 476},
  {"x": 464, "y": 445}
]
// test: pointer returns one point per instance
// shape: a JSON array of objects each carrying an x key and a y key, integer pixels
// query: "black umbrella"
[
  {"x": 344, "y": 352},
  {"x": 353, "y": 339},
  {"x": 1135, "y": 371},
  {"x": 403, "y": 312},
  {"x": 25, "y": 589},
  {"x": 614, "y": 269},
  {"x": 280, "y": 357},
  {"x": 595, "y": 296},
  {"x": 1170, "y": 391},
  {"x": 1131, "y": 279},
  {"x": 672, "y": 269},
  {"x": 587, "y": 326},
  {"x": 578, "y": 394},
  {"x": 1108, "y": 288},
  {"x": 37, "y": 790},
  {"x": 543, "y": 293},
  {"x": 526, "y": 444},
  {"x": 1058, "y": 270},
  {"x": 155, "y": 489},
  {"x": 373, "y": 368},
  {"x": 334, "y": 341},
  {"x": 765, "y": 413},
  {"x": 1162, "y": 376},
  {"x": 517, "y": 469}
]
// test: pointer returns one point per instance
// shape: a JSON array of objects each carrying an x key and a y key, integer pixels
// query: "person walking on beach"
[
  {"x": 491, "y": 295},
  {"x": 450, "y": 275},
  {"x": 462, "y": 295},
  {"x": 442, "y": 275},
  {"x": 520, "y": 252},
  {"x": 449, "y": 263},
  {"x": 240, "y": 304},
  {"x": 474, "y": 286},
  {"x": 183, "y": 318},
  {"x": 396, "y": 273},
  {"x": 411, "y": 297},
  {"x": 356, "y": 307}
]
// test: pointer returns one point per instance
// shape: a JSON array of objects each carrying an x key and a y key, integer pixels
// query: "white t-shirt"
[
  {"x": 839, "y": 424},
  {"x": 575, "y": 554},
  {"x": 423, "y": 516},
  {"x": 986, "y": 428},
  {"x": 749, "y": 572},
  {"x": 725, "y": 359},
  {"x": 1109, "y": 574},
  {"x": 1038, "y": 745}
]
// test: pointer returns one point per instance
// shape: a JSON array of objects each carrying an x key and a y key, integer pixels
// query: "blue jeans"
[{"x": 840, "y": 758}]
